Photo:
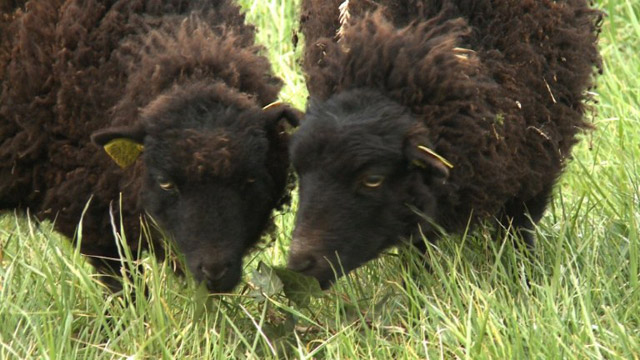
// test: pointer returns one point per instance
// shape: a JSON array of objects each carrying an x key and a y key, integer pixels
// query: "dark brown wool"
[
  {"x": 185, "y": 79},
  {"x": 498, "y": 88}
]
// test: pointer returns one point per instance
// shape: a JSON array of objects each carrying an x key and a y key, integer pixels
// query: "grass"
[{"x": 579, "y": 298}]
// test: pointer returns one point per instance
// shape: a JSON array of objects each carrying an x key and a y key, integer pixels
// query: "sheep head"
[
  {"x": 368, "y": 155},
  {"x": 212, "y": 175},
  {"x": 361, "y": 162}
]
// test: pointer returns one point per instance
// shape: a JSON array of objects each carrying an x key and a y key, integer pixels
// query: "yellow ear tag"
[
  {"x": 123, "y": 151},
  {"x": 272, "y": 105},
  {"x": 436, "y": 155}
]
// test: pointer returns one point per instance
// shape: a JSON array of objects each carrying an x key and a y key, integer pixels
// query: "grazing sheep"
[
  {"x": 181, "y": 81},
  {"x": 424, "y": 112}
]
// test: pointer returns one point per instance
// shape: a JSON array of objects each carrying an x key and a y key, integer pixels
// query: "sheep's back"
[
  {"x": 66, "y": 71},
  {"x": 542, "y": 56},
  {"x": 530, "y": 63}
]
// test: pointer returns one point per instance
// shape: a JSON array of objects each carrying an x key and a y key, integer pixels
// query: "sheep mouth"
[
  {"x": 326, "y": 284},
  {"x": 225, "y": 284},
  {"x": 219, "y": 288},
  {"x": 327, "y": 272},
  {"x": 217, "y": 276},
  {"x": 325, "y": 279}
]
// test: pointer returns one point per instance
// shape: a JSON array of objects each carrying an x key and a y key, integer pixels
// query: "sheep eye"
[
  {"x": 166, "y": 185},
  {"x": 251, "y": 180},
  {"x": 373, "y": 181}
]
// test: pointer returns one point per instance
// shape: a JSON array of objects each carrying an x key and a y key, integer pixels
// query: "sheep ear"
[
  {"x": 122, "y": 144},
  {"x": 424, "y": 157},
  {"x": 277, "y": 111}
]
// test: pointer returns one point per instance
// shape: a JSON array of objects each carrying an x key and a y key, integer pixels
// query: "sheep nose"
[
  {"x": 215, "y": 272},
  {"x": 301, "y": 263}
]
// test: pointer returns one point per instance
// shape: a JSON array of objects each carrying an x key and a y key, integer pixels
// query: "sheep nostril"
[
  {"x": 302, "y": 264},
  {"x": 215, "y": 274}
]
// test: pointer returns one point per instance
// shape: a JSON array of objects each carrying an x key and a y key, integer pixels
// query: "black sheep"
[
  {"x": 423, "y": 112},
  {"x": 181, "y": 81}
]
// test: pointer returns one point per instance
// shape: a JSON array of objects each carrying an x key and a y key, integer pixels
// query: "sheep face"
[
  {"x": 215, "y": 204},
  {"x": 358, "y": 170},
  {"x": 208, "y": 184}
]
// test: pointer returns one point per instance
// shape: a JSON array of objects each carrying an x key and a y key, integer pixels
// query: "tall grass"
[{"x": 578, "y": 298}]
